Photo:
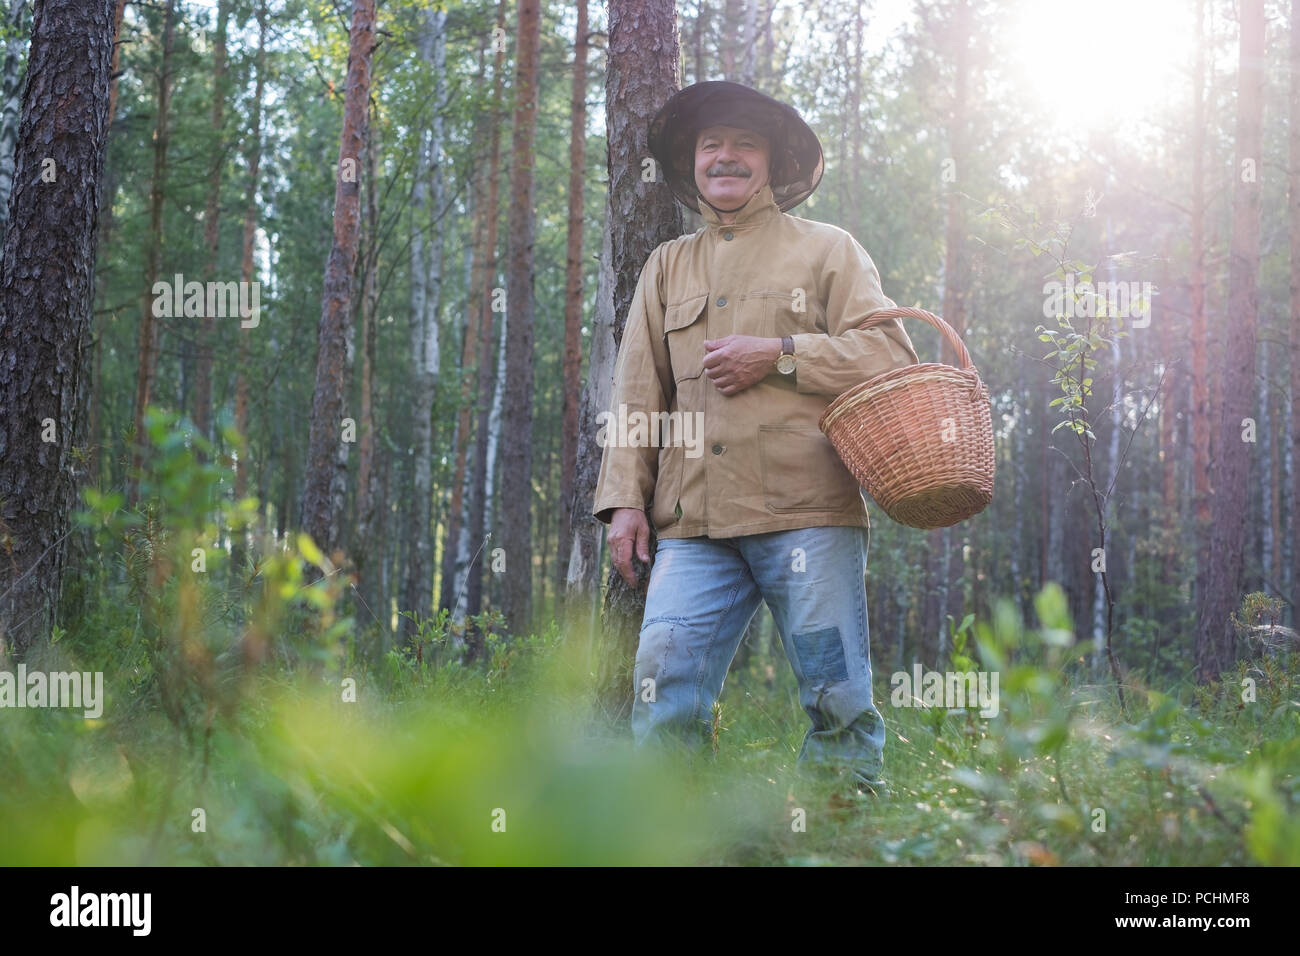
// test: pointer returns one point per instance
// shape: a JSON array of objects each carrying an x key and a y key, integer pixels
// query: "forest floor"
[{"x": 505, "y": 764}]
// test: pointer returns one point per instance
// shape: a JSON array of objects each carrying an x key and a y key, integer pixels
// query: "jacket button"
[
  {"x": 728, "y": 235},
  {"x": 718, "y": 449},
  {"x": 722, "y": 300}
]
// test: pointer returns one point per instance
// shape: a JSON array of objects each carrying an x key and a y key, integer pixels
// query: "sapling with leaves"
[{"x": 1084, "y": 326}]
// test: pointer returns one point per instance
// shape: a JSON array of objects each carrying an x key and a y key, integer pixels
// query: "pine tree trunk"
[
  {"x": 46, "y": 292},
  {"x": 583, "y": 572},
  {"x": 319, "y": 519},
  {"x": 1215, "y": 641},
  {"x": 1293, "y": 221},
  {"x": 149, "y": 329},
  {"x": 366, "y": 556},
  {"x": 573, "y": 293},
  {"x": 641, "y": 74},
  {"x": 487, "y": 367},
  {"x": 517, "y": 417},
  {"x": 246, "y": 271},
  {"x": 212, "y": 224}
]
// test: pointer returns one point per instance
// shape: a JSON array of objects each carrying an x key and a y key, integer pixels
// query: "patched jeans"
[{"x": 702, "y": 594}]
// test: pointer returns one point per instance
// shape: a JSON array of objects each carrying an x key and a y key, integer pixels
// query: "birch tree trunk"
[
  {"x": 426, "y": 299},
  {"x": 10, "y": 100}
]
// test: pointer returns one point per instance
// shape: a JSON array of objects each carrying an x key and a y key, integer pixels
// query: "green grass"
[
  {"x": 507, "y": 764},
  {"x": 249, "y": 720}
]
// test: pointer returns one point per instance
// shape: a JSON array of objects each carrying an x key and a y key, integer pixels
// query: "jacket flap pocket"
[
  {"x": 684, "y": 334},
  {"x": 682, "y": 314}
]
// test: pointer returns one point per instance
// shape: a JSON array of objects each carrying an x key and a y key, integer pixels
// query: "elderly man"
[{"x": 748, "y": 327}]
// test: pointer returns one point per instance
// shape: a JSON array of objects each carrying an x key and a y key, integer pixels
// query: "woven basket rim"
[{"x": 965, "y": 378}]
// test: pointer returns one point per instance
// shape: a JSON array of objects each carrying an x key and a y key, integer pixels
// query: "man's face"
[{"x": 730, "y": 165}]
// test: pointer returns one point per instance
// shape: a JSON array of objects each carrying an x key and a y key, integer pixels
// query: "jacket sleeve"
[
  {"x": 833, "y": 362},
  {"x": 643, "y": 383}
]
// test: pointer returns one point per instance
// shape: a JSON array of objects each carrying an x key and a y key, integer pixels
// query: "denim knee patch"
[{"x": 821, "y": 655}]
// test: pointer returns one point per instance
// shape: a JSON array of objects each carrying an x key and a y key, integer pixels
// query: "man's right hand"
[{"x": 628, "y": 530}]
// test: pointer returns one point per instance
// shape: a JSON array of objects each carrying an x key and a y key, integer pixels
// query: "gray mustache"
[{"x": 729, "y": 171}]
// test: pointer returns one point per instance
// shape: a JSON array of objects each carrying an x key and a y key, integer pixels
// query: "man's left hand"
[{"x": 735, "y": 362}]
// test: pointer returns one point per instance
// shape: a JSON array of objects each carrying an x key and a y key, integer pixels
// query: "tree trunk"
[
  {"x": 10, "y": 101},
  {"x": 46, "y": 291},
  {"x": 149, "y": 330},
  {"x": 212, "y": 224},
  {"x": 246, "y": 275},
  {"x": 456, "y": 556},
  {"x": 517, "y": 417},
  {"x": 366, "y": 557},
  {"x": 487, "y": 369},
  {"x": 573, "y": 293},
  {"x": 583, "y": 572},
  {"x": 319, "y": 519},
  {"x": 1293, "y": 220},
  {"x": 1215, "y": 640},
  {"x": 641, "y": 74},
  {"x": 426, "y": 300}
]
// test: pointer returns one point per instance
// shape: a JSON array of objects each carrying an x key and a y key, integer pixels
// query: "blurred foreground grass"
[{"x": 250, "y": 720}]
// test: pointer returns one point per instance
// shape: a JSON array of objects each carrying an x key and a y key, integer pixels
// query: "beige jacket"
[{"x": 721, "y": 466}]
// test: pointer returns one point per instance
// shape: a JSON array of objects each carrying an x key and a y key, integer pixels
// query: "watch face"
[{"x": 785, "y": 364}]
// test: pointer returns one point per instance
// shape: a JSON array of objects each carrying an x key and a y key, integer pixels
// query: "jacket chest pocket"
[
  {"x": 772, "y": 314},
  {"x": 795, "y": 312},
  {"x": 684, "y": 333}
]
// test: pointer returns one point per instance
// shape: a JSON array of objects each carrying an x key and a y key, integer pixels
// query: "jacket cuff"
[{"x": 603, "y": 510}]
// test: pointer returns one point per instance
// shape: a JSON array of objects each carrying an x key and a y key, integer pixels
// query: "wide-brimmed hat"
[{"x": 796, "y": 163}]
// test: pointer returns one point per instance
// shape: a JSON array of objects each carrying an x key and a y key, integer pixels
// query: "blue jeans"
[{"x": 702, "y": 594}]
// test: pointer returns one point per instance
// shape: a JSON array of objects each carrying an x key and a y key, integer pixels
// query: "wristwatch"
[{"x": 785, "y": 363}]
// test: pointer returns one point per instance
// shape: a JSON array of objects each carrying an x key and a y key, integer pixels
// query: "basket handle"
[{"x": 946, "y": 330}]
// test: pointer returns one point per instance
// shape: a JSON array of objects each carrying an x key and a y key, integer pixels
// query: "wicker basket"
[{"x": 919, "y": 439}]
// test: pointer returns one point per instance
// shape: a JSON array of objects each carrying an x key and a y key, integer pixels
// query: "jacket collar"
[{"x": 761, "y": 206}]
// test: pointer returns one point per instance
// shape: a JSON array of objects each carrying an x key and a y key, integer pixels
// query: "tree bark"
[
  {"x": 10, "y": 101},
  {"x": 319, "y": 519},
  {"x": 487, "y": 369},
  {"x": 426, "y": 301},
  {"x": 212, "y": 222},
  {"x": 46, "y": 291},
  {"x": 641, "y": 74},
  {"x": 1215, "y": 641},
  {"x": 517, "y": 410},
  {"x": 149, "y": 329},
  {"x": 573, "y": 293},
  {"x": 1293, "y": 221},
  {"x": 246, "y": 272}
]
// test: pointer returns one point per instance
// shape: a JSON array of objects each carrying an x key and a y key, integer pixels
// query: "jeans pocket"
[{"x": 821, "y": 655}]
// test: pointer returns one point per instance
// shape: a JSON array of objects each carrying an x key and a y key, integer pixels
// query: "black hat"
[{"x": 796, "y": 163}]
